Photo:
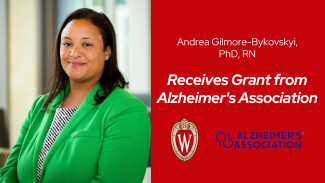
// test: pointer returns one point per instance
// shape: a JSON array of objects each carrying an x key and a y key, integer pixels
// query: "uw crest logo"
[{"x": 184, "y": 138}]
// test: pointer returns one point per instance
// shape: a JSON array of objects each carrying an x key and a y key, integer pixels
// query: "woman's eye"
[
  {"x": 86, "y": 44},
  {"x": 66, "y": 44}
]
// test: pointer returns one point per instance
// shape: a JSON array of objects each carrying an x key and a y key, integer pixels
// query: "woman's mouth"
[{"x": 76, "y": 64}]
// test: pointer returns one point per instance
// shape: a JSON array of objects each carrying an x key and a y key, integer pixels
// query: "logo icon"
[
  {"x": 258, "y": 140},
  {"x": 184, "y": 138}
]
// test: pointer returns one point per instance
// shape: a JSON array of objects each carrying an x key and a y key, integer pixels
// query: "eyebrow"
[{"x": 81, "y": 38}]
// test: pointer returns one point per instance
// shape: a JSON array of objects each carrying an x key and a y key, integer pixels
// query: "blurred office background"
[{"x": 27, "y": 34}]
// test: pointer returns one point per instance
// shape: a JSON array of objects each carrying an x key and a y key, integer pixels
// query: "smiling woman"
[
  {"x": 82, "y": 55},
  {"x": 87, "y": 128},
  {"x": 82, "y": 45}
]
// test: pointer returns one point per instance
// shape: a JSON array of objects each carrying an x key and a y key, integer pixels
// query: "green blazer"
[{"x": 108, "y": 142}]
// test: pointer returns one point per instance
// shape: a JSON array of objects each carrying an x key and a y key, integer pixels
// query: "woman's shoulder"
[
  {"x": 39, "y": 101},
  {"x": 121, "y": 105},
  {"x": 121, "y": 97},
  {"x": 120, "y": 94},
  {"x": 37, "y": 105}
]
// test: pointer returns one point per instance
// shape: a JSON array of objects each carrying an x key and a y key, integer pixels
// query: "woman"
[{"x": 87, "y": 128}]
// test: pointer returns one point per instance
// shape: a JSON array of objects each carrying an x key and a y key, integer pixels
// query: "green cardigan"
[{"x": 108, "y": 142}]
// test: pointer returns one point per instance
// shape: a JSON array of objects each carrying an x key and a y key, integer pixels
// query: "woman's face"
[{"x": 81, "y": 51}]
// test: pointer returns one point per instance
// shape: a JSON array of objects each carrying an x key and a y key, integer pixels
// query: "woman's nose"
[{"x": 75, "y": 52}]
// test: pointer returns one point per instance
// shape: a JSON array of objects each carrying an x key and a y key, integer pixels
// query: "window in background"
[
  {"x": 4, "y": 94},
  {"x": 132, "y": 24},
  {"x": 66, "y": 7},
  {"x": 121, "y": 25}
]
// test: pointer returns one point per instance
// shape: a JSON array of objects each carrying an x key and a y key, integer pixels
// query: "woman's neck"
[{"x": 77, "y": 93}]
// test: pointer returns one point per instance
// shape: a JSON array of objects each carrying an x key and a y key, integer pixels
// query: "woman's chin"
[{"x": 76, "y": 77}]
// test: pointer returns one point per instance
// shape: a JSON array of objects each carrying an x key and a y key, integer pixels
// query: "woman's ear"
[{"x": 108, "y": 53}]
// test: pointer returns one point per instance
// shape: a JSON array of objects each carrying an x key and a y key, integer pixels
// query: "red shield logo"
[
  {"x": 184, "y": 138},
  {"x": 184, "y": 141}
]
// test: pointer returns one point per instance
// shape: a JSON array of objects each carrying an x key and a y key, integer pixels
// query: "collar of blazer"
[
  {"x": 84, "y": 109},
  {"x": 89, "y": 99}
]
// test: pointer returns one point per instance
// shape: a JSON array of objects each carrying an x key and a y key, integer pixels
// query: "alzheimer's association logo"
[{"x": 184, "y": 139}]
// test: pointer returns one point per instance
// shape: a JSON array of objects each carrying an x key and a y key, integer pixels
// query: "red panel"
[{"x": 299, "y": 21}]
